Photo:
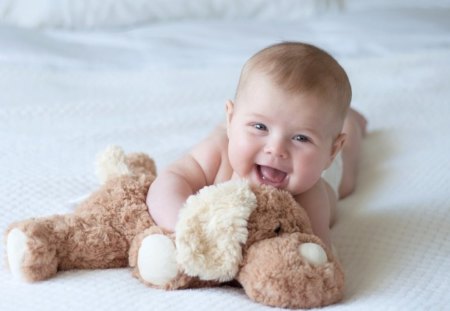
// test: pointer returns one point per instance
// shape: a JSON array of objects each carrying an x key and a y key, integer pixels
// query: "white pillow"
[
  {"x": 367, "y": 5},
  {"x": 107, "y": 13}
]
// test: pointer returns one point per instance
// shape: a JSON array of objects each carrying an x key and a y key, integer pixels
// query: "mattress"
[{"x": 160, "y": 87}]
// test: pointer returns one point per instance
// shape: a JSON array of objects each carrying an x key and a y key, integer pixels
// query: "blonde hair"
[{"x": 299, "y": 67}]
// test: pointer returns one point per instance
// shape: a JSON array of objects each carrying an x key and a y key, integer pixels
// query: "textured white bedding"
[{"x": 159, "y": 88}]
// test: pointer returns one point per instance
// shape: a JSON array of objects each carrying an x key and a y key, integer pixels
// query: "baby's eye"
[
  {"x": 301, "y": 138},
  {"x": 260, "y": 126}
]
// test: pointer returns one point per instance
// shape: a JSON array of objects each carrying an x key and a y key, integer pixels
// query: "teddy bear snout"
[{"x": 280, "y": 270}]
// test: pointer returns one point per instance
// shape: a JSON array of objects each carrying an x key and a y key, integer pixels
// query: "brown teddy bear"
[{"x": 258, "y": 236}]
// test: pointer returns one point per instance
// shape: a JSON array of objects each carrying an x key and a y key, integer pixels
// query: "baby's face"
[{"x": 277, "y": 138}]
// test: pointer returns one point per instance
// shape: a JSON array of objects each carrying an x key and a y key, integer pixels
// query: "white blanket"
[{"x": 159, "y": 88}]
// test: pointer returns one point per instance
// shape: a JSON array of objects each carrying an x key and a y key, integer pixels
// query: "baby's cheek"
[
  {"x": 314, "y": 174},
  {"x": 307, "y": 175},
  {"x": 241, "y": 158}
]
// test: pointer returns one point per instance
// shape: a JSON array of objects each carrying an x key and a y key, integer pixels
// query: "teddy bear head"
[
  {"x": 276, "y": 213},
  {"x": 261, "y": 237}
]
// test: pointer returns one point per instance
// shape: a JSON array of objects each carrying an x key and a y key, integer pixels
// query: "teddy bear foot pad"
[
  {"x": 16, "y": 249},
  {"x": 156, "y": 259}
]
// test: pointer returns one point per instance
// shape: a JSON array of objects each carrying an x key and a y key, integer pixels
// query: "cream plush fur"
[
  {"x": 212, "y": 230},
  {"x": 258, "y": 236}
]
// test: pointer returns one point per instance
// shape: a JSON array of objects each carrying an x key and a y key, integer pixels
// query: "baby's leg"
[{"x": 355, "y": 128}]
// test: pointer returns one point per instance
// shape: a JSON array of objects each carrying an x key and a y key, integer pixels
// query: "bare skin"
[
  {"x": 208, "y": 163},
  {"x": 266, "y": 144},
  {"x": 355, "y": 125},
  {"x": 355, "y": 129},
  {"x": 288, "y": 123}
]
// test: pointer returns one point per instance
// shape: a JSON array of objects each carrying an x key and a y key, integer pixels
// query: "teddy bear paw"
[
  {"x": 16, "y": 248},
  {"x": 313, "y": 253},
  {"x": 156, "y": 259}
]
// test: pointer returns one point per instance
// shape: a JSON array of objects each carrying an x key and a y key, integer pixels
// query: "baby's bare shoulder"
[
  {"x": 212, "y": 155},
  {"x": 217, "y": 139}
]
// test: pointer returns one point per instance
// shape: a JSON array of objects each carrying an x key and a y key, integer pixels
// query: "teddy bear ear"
[
  {"x": 111, "y": 163},
  {"x": 212, "y": 228}
]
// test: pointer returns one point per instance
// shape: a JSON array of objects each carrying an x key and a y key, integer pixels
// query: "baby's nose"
[{"x": 276, "y": 148}]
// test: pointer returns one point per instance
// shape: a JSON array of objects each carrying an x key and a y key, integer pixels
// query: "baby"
[{"x": 290, "y": 126}]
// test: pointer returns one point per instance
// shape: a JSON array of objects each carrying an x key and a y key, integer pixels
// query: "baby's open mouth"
[{"x": 270, "y": 175}]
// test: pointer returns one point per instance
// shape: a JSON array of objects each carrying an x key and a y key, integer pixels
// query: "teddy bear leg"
[
  {"x": 152, "y": 257},
  {"x": 153, "y": 260},
  {"x": 38, "y": 248},
  {"x": 156, "y": 259},
  {"x": 31, "y": 251}
]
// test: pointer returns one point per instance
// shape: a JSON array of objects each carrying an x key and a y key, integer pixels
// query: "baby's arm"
[
  {"x": 318, "y": 203},
  {"x": 183, "y": 178}
]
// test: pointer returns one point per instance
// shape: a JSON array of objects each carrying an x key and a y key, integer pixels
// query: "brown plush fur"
[
  {"x": 107, "y": 229},
  {"x": 99, "y": 232},
  {"x": 272, "y": 272}
]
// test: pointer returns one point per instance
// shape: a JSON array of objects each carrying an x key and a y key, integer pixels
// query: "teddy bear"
[{"x": 256, "y": 235}]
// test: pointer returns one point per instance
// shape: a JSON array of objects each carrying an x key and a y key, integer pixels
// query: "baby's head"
[
  {"x": 299, "y": 68},
  {"x": 285, "y": 125}
]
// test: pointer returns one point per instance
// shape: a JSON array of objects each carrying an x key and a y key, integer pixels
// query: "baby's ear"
[
  {"x": 339, "y": 143},
  {"x": 229, "y": 107},
  {"x": 212, "y": 228},
  {"x": 337, "y": 146}
]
